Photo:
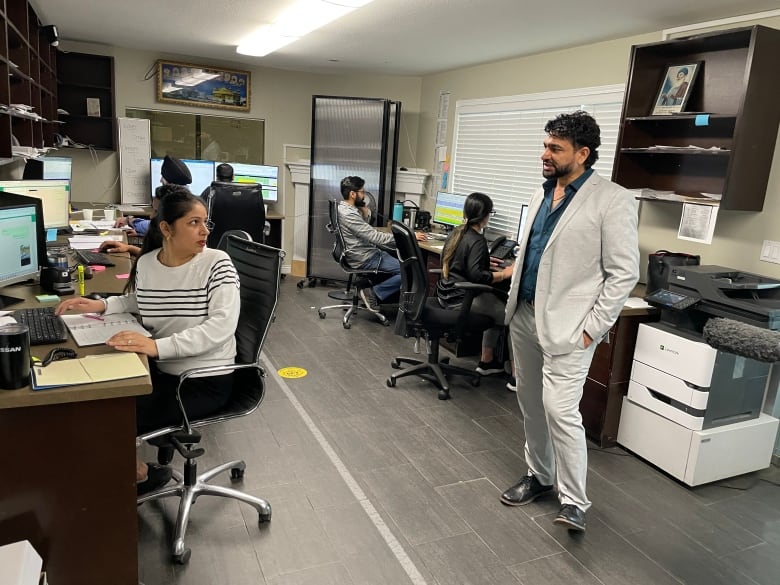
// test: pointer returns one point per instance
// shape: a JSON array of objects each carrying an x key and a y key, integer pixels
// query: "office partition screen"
[{"x": 350, "y": 136}]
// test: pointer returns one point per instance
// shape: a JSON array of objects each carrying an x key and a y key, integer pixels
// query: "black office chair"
[
  {"x": 357, "y": 279},
  {"x": 259, "y": 271},
  {"x": 236, "y": 206},
  {"x": 420, "y": 316}
]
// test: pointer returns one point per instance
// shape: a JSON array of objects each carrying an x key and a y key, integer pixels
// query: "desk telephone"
[{"x": 503, "y": 248}]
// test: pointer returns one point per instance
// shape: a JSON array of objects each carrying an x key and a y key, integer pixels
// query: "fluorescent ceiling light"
[{"x": 303, "y": 17}]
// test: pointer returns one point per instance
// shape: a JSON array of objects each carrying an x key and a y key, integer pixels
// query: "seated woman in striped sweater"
[{"x": 187, "y": 296}]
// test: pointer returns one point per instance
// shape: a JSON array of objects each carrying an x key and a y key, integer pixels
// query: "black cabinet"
[
  {"x": 86, "y": 92},
  {"x": 732, "y": 106}
]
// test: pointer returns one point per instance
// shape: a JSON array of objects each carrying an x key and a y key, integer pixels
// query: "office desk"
[{"x": 67, "y": 467}]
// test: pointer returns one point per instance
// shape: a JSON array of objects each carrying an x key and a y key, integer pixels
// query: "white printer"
[{"x": 692, "y": 410}]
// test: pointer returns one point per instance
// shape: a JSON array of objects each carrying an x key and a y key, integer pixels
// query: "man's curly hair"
[{"x": 581, "y": 129}]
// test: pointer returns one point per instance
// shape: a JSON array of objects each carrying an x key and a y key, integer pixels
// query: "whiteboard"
[{"x": 134, "y": 155}]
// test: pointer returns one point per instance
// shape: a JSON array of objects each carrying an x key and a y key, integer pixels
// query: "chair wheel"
[
  {"x": 236, "y": 473},
  {"x": 347, "y": 325},
  {"x": 300, "y": 284},
  {"x": 476, "y": 380},
  {"x": 444, "y": 394},
  {"x": 165, "y": 454},
  {"x": 183, "y": 558},
  {"x": 386, "y": 322},
  {"x": 263, "y": 518},
  {"x": 391, "y": 382},
  {"x": 321, "y": 314},
  {"x": 395, "y": 364}
]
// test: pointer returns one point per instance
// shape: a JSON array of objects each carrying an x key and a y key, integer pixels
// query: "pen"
[
  {"x": 81, "y": 279},
  {"x": 95, "y": 317}
]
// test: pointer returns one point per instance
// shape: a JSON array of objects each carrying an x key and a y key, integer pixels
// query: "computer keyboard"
[
  {"x": 45, "y": 327},
  {"x": 94, "y": 258},
  {"x": 135, "y": 240},
  {"x": 436, "y": 236}
]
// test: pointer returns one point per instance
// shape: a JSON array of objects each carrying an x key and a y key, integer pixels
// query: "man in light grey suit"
[{"x": 577, "y": 264}]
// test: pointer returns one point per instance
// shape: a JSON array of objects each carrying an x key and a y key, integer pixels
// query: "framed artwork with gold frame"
[{"x": 204, "y": 86}]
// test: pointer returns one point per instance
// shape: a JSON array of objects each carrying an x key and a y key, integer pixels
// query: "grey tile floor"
[{"x": 395, "y": 487}]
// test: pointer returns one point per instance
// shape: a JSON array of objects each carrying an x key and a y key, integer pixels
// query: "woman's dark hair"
[
  {"x": 581, "y": 129},
  {"x": 176, "y": 201},
  {"x": 351, "y": 184},
  {"x": 476, "y": 208}
]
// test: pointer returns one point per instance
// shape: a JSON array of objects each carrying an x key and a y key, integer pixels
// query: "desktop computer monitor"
[
  {"x": 21, "y": 239},
  {"x": 449, "y": 209},
  {"x": 523, "y": 218},
  {"x": 202, "y": 172},
  {"x": 265, "y": 175},
  {"x": 49, "y": 168},
  {"x": 55, "y": 196}
]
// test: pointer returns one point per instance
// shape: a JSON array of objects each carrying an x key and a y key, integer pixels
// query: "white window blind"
[{"x": 498, "y": 144}]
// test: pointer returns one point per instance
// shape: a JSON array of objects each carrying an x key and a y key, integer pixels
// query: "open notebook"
[
  {"x": 90, "y": 329},
  {"x": 89, "y": 369}
]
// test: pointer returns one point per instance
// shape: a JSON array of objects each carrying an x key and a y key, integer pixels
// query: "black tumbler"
[{"x": 14, "y": 356}]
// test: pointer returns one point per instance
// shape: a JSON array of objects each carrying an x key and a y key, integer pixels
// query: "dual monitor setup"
[
  {"x": 205, "y": 171},
  {"x": 448, "y": 212}
]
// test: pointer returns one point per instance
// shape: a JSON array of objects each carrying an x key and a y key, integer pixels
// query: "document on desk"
[
  {"x": 89, "y": 369},
  {"x": 88, "y": 242},
  {"x": 91, "y": 329}
]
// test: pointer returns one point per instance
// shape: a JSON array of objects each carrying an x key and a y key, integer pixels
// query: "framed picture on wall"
[
  {"x": 676, "y": 88},
  {"x": 198, "y": 85}
]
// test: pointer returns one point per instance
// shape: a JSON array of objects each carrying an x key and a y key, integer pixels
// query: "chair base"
[
  {"x": 433, "y": 370},
  {"x": 189, "y": 492},
  {"x": 351, "y": 310}
]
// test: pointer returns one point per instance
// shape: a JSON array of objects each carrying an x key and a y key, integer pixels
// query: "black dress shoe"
[
  {"x": 158, "y": 476},
  {"x": 525, "y": 491},
  {"x": 571, "y": 517}
]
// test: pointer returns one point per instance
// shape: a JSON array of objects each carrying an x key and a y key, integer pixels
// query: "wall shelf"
[{"x": 733, "y": 118}]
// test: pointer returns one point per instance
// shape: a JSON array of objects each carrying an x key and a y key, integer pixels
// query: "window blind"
[{"x": 498, "y": 144}]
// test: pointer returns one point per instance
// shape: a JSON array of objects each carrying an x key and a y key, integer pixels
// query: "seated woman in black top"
[{"x": 465, "y": 258}]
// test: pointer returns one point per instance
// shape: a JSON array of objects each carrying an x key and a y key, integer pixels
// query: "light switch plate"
[{"x": 770, "y": 251}]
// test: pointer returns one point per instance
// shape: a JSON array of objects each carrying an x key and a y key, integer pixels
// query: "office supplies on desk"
[
  {"x": 80, "y": 271},
  {"x": 89, "y": 369},
  {"x": 45, "y": 327},
  {"x": 86, "y": 330}
]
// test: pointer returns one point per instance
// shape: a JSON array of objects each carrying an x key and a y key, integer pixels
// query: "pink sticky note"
[
  {"x": 97, "y": 268},
  {"x": 123, "y": 276}
]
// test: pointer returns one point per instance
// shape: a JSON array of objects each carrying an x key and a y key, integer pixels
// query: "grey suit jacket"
[{"x": 588, "y": 268}]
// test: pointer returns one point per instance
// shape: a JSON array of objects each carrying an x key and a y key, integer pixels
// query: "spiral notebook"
[{"x": 91, "y": 329}]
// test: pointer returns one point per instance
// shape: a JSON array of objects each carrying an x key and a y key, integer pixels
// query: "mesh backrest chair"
[
  {"x": 236, "y": 206},
  {"x": 422, "y": 317},
  {"x": 259, "y": 271},
  {"x": 357, "y": 278}
]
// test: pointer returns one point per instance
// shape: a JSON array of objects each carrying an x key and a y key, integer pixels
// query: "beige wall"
[
  {"x": 281, "y": 98},
  {"x": 738, "y": 235}
]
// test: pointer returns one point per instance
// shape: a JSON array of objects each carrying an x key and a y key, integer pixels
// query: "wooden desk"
[{"x": 67, "y": 467}]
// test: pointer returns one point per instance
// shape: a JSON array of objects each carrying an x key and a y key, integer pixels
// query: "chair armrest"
[{"x": 214, "y": 370}]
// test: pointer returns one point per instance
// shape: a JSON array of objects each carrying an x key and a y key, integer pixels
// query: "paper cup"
[
  {"x": 87, "y": 214},
  {"x": 109, "y": 214}
]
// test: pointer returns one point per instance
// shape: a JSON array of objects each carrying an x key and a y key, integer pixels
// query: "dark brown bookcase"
[
  {"x": 733, "y": 105},
  {"x": 27, "y": 76},
  {"x": 83, "y": 76}
]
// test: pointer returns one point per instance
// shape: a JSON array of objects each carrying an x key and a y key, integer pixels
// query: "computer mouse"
[
  {"x": 88, "y": 273},
  {"x": 94, "y": 296}
]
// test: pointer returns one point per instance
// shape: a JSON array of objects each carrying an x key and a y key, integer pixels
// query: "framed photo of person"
[
  {"x": 676, "y": 88},
  {"x": 205, "y": 86}
]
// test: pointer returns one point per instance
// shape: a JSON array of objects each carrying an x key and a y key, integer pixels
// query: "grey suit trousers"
[{"x": 549, "y": 389}]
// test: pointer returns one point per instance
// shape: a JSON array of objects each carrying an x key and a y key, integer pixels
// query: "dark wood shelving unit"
[
  {"x": 83, "y": 76},
  {"x": 732, "y": 106},
  {"x": 28, "y": 72}
]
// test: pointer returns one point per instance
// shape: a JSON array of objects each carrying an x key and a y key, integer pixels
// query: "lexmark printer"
[{"x": 693, "y": 410}]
